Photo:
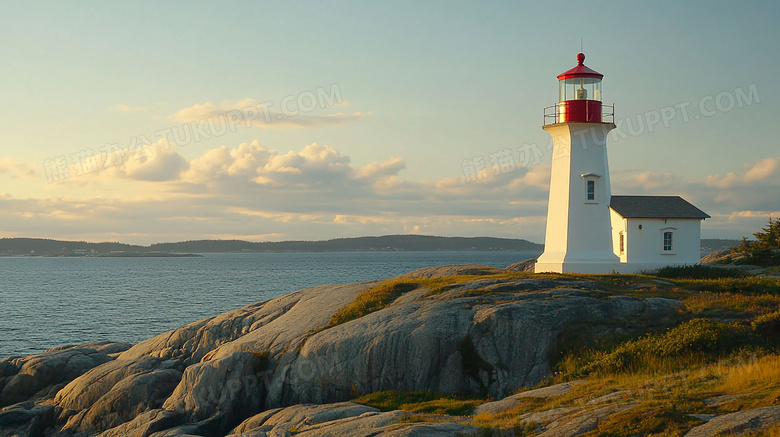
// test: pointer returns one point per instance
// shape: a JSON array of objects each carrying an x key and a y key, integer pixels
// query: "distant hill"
[
  {"x": 39, "y": 246},
  {"x": 716, "y": 244},
  {"x": 43, "y": 246},
  {"x": 384, "y": 243}
]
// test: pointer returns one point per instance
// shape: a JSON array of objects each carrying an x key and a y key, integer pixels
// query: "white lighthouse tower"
[{"x": 579, "y": 233}]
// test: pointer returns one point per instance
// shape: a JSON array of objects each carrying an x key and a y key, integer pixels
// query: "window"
[
  {"x": 667, "y": 241},
  {"x": 622, "y": 243},
  {"x": 591, "y": 190},
  {"x": 589, "y": 186}
]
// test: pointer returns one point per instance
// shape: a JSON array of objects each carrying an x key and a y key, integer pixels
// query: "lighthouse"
[{"x": 578, "y": 237}]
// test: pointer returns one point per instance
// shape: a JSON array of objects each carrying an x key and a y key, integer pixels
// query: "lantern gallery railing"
[{"x": 583, "y": 111}]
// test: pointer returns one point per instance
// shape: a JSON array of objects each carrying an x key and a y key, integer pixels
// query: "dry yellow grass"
[{"x": 758, "y": 375}]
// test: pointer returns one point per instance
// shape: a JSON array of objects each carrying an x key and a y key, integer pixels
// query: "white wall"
[{"x": 644, "y": 247}]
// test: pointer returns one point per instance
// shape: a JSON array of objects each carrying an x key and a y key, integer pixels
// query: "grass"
[
  {"x": 373, "y": 299},
  {"x": 746, "y": 285},
  {"x": 420, "y": 402},
  {"x": 653, "y": 418},
  {"x": 761, "y": 375},
  {"x": 730, "y": 305}
]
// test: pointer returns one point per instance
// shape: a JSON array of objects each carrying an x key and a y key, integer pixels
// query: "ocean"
[{"x": 49, "y": 302}]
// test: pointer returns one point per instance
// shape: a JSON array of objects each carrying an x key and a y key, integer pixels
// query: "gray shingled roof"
[{"x": 660, "y": 207}]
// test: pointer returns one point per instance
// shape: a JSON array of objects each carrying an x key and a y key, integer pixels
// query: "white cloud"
[
  {"x": 250, "y": 112},
  {"x": 16, "y": 169},
  {"x": 223, "y": 162},
  {"x": 318, "y": 192},
  {"x": 751, "y": 173},
  {"x": 762, "y": 170},
  {"x": 200, "y": 111},
  {"x": 155, "y": 162}
]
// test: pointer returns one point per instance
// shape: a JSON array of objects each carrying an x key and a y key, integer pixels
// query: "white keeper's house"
[{"x": 588, "y": 229}]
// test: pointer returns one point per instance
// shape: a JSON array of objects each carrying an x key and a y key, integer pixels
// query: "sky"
[{"x": 148, "y": 121}]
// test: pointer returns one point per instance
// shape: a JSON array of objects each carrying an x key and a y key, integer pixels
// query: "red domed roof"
[{"x": 580, "y": 70}]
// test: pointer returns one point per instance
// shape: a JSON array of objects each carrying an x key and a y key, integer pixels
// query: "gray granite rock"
[
  {"x": 26, "y": 419},
  {"x": 512, "y": 401},
  {"x": 23, "y": 378},
  {"x": 225, "y": 387},
  {"x": 342, "y": 419},
  {"x": 128, "y": 398},
  {"x": 754, "y": 420}
]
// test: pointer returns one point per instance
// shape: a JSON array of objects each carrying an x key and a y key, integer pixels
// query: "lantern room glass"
[{"x": 579, "y": 88}]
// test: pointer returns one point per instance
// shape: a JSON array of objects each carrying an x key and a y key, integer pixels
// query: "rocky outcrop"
[
  {"x": 133, "y": 394},
  {"x": 86, "y": 390},
  {"x": 41, "y": 375},
  {"x": 490, "y": 335},
  {"x": 26, "y": 419},
  {"x": 269, "y": 325},
  {"x": 573, "y": 422},
  {"x": 224, "y": 388},
  {"x": 342, "y": 419},
  {"x": 754, "y": 420},
  {"x": 523, "y": 266},
  {"x": 512, "y": 401}
]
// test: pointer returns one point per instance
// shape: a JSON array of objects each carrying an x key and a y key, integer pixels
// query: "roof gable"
[{"x": 658, "y": 207}]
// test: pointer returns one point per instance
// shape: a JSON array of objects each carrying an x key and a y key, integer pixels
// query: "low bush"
[
  {"x": 697, "y": 271},
  {"x": 373, "y": 300},
  {"x": 696, "y": 341},
  {"x": 421, "y": 402},
  {"x": 767, "y": 325},
  {"x": 746, "y": 285}
]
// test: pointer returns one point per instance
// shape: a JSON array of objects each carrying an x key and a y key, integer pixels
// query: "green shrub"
[
  {"x": 697, "y": 271},
  {"x": 746, "y": 285},
  {"x": 697, "y": 340},
  {"x": 423, "y": 402},
  {"x": 768, "y": 325}
]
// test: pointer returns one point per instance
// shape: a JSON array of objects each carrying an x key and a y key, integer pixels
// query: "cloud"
[
  {"x": 762, "y": 170},
  {"x": 155, "y": 163},
  {"x": 250, "y": 112},
  {"x": 200, "y": 111},
  {"x": 16, "y": 169},
  {"x": 225, "y": 162},
  {"x": 316, "y": 192},
  {"x": 314, "y": 168},
  {"x": 751, "y": 173},
  {"x": 629, "y": 181}
]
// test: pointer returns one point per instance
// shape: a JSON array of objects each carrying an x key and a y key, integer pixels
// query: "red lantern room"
[{"x": 579, "y": 97}]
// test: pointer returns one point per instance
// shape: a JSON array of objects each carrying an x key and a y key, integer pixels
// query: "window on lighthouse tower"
[{"x": 591, "y": 190}]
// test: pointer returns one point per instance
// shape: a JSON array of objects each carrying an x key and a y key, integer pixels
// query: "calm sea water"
[{"x": 48, "y": 302}]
